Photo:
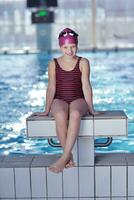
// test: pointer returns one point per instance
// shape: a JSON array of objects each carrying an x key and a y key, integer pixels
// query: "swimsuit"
[{"x": 68, "y": 83}]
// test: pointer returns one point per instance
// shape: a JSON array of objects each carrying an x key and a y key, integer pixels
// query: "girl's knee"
[
  {"x": 61, "y": 114},
  {"x": 75, "y": 114}
]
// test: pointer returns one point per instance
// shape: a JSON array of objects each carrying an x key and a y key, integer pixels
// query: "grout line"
[
  {"x": 111, "y": 182},
  {"x": 31, "y": 161},
  {"x": 78, "y": 173},
  {"x": 14, "y": 183},
  {"x": 46, "y": 182},
  {"x": 94, "y": 161},
  {"x": 62, "y": 186},
  {"x": 127, "y": 182},
  {"x": 78, "y": 159},
  {"x": 30, "y": 179},
  {"x": 94, "y": 182},
  {"x": 78, "y": 164}
]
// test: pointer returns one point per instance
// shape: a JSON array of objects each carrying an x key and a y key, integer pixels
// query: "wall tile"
[
  {"x": 70, "y": 182},
  {"x": 86, "y": 151},
  {"x": 54, "y": 184},
  {"x": 86, "y": 181},
  {"x": 120, "y": 198},
  {"x": 103, "y": 198},
  {"x": 22, "y": 182},
  {"x": 130, "y": 180},
  {"x": 22, "y": 199},
  {"x": 27, "y": 199},
  {"x": 89, "y": 198},
  {"x": 102, "y": 181},
  {"x": 7, "y": 189},
  {"x": 54, "y": 199},
  {"x": 38, "y": 182},
  {"x": 118, "y": 181},
  {"x": 31, "y": 199},
  {"x": 72, "y": 199}
]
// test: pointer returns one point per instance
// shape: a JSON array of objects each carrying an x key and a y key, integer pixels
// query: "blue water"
[{"x": 23, "y": 82}]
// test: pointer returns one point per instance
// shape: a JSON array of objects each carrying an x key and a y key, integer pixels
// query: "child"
[{"x": 69, "y": 95}]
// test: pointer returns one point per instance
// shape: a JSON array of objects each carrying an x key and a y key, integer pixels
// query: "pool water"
[{"x": 23, "y": 82}]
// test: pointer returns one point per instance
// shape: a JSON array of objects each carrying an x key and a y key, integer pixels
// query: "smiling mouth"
[{"x": 69, "y": 54}]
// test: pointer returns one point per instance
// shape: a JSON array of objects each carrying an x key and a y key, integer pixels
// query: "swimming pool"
[{"x": 23, "y": 82}]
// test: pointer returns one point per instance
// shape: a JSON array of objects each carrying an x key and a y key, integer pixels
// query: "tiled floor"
[{"x": 27, "y": 177}]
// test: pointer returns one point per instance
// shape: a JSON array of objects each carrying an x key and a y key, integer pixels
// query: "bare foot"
[
  {"x": 58, "y": 166},
  {"x": 70, "y": 163}
]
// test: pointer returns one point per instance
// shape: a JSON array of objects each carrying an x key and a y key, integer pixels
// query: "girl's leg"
[
  {"x": 59, "y": 110},
  {"x": 78, "y": 108}
]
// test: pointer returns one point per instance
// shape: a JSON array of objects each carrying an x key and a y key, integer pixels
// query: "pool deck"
[
  {"x": 27, "y": 177},
  {"x": 95, "y": 176}
]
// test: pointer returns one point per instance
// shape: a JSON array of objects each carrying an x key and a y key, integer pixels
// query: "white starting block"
[{"x": 111, "y": 123}]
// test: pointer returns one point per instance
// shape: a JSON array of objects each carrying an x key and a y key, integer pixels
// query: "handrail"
[
  {"x": 52, "y": 143},
  {"x": 104, "y": 144},
  {"x": 96, "y": 144}
]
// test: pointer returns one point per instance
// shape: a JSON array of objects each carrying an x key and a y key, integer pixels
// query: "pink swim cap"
[{"x": 68, "y": 36}]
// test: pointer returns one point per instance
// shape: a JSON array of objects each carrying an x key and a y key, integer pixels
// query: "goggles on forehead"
[{"x": 64, "y": 34}]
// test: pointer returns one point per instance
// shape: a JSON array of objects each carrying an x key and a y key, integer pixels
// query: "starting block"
[{"x": 110, "y": 123}]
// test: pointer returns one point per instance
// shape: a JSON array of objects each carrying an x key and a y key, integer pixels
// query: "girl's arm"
[
  {"x": 86, "y": 85},
  {"x": 51, "y": 87}
]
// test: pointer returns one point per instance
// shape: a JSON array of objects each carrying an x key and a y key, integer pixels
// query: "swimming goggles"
[{"x": 64, "y": 34}]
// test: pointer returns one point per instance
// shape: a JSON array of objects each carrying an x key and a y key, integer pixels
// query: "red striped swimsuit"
[{"x": 68, "y": 83}]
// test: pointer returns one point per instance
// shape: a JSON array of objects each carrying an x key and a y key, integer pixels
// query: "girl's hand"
[
  {"x": 40, "y": 113},
  {"x": 98, "y": 113},
  {"x": 94, "y": 113}
]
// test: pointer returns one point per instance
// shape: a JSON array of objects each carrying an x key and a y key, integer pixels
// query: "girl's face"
[{"x": 69, "y": 49}]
